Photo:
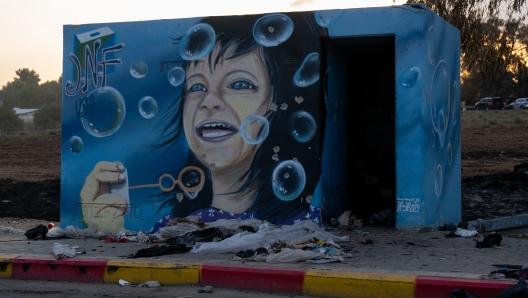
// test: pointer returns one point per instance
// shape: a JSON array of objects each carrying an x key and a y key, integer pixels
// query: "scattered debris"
[
  {"x": 63, "y": 251},
  {"x": 123, "y": 283},
  {"x": 206, "y": 289},
  {"x": 157, "y": 250},
  {"x": 150, "y": 284},
  {"x": 367, "y": 241},
  {"x": 39, "y": 231},
  {"x": 465, "y": 233},
  {"x": 490, "y": 240}
]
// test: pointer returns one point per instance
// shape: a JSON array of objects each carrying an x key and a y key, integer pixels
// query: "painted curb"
[
  {"x": 358, "y": 284},
  {"x": 139, "y": 271},
  {"x": 255, "y": 278},
  {"x": 49, "y": 268},
  {"x": 6, "y": 265},
  {"x": 433, "y": 287}
]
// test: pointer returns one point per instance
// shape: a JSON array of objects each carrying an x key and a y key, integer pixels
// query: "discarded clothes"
[
  {"x": 36, "y": 232},
  {"x": 63, "y": 251},
  {"x": 518, "y": 291},
  {"x": 490, "y": 240},
  {"x": 206, "y": 235},
  {"x": 300, "y": 232},
  {"x": 74, "y": 232},
  {"x": 250, "y": 253},
  {"x": 157, "y": 250},
  {"x": 460, "y": 293}
]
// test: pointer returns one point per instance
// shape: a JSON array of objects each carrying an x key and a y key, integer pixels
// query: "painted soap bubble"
[
  {"x": 327, "y": 18},
  {"x": 432, "y": 45},
  {"x": 102, "y": 112},
  {"x": 76, "y": 145},
  {"x": 254, "y": 129},
  {"x": 455, "y": 103},
  {"x": 148, "y": 107},
  {"x": 309, "y": 71},
  {"x": 441, "y": 128},
  {"x": 198, "y": 42},
  {"x": 438, "y": 180},
  {"x": 288, "y": 180},
  {"x": 449, "y": 154},
  {"x": 411, "y": 76},
  {"x": 138, "y": 69},
  {"x": 272, "y": 30},
  {"x": 302, "y": 126},
  {"x": 176, "y": 76},
  {"x": 440, "y": 99}
]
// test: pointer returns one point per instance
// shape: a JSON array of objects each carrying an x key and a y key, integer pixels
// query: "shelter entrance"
[{"x": 363, "y": 77}]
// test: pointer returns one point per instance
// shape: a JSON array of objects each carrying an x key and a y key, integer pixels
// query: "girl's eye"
[
  {"x": 197, "y": 87},
  {"x": 239, "y": 85}
]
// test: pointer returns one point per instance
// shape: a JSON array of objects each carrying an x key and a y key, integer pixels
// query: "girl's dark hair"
[{"x": 282, "y": 62}]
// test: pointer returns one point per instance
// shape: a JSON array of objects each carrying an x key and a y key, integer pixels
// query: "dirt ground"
[{"x": 493, "y": 143}]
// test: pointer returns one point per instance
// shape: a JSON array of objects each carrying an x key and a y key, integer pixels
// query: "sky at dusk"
[{"x": 31, "y": 31}]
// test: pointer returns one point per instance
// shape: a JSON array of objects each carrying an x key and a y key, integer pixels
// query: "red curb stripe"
[
  {"x": 49, "y": 268},
  {"x": 252, "y": 278},
  {"x": 433, "y": 287}
]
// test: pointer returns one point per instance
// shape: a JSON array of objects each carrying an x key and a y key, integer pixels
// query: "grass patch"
[
  {"x": 518, "y": 120},
  {"x": 492, "y": 122}
]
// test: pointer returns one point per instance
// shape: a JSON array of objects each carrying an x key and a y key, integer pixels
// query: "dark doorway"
[{"x": 366, "y": 66}]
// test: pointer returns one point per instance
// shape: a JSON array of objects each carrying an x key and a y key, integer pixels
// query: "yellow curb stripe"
[
  {"x": 366, "y": 285},
  {"x": 6, "y": 266},
  {"x": 142, "y": 271}
]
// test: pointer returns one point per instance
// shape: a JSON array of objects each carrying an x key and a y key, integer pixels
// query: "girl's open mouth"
[{"x": 215, "y": 131}]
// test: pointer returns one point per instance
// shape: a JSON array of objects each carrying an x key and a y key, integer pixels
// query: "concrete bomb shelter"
[{"x": 280, "y": 117}]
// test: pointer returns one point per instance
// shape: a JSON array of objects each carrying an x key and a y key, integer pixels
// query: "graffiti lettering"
[
  {"x": 85, "y": 106},
  {"x": 408, "y": 205},
  {"x": 91, "y": 63}
]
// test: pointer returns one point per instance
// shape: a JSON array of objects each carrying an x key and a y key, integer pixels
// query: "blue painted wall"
[{"x": 120, "y": 131}]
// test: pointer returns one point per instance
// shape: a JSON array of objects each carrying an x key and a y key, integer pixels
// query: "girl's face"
[{"x": 219, "y": 97}]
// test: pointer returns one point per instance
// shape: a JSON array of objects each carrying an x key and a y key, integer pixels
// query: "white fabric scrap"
[
  {"x": 178, "y": 230},
  {"x": 288, "y": 255},
  {"x": 300, "y": 232},
  {"x": 74, "y": 232},
  {"x": 465, "y": 233},
  {"x": 63, "y": 251}
]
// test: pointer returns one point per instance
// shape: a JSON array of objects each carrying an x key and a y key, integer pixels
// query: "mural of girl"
[{"x": 255, "y": 147}]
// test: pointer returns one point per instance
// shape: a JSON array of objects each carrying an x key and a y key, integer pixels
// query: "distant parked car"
[
  {"x": 489, "y": 103},
  {"x": 520, "y": 103}
]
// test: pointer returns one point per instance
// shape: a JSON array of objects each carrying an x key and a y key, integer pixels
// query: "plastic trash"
[
  {"x": 206, "y": 289},
  {"x": 344, "y": 219},
  {"x": 465, "y": 233},
  {"x": 123, "y": 283},
  {"x": 141, "y": 237},
  {"x": 150, "y": 284},
  {"x": 300, "y": 232},
  {"x": 63, "y": 251}
]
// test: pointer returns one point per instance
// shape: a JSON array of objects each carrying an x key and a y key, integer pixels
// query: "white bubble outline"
[{"x": 268, "y": 16}]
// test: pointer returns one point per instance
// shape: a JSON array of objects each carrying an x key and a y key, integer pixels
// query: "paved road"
[{"x": 12, "y": 288}]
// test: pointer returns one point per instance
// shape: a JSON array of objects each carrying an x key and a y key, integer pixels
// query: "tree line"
[
  {"x": 494, "y": 42},
  {"x": 26, "y": 92},
  {"x": 494, "y": 60}
]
